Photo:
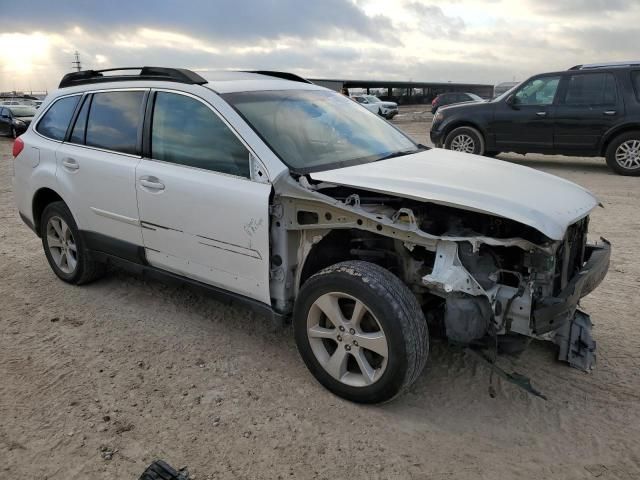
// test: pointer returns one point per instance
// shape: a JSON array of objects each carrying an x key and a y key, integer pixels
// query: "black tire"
[
  {"x": 86, "y": 269},
  {"x": 397, "y": 312},
  {"x": 160, "y": 470},
  {"x": 613, "y": 148},
  {"x": 474, "y": 135}
]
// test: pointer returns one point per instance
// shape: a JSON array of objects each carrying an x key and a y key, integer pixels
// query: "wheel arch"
[
  {"x": 43, "y": 197},
  {"x": 614, "y": 133},
  {"x": 335, "y": 247},
  {"x": 464, "y": 123}
]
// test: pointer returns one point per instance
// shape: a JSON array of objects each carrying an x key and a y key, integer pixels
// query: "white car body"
[{"x": 257, "y": 238}]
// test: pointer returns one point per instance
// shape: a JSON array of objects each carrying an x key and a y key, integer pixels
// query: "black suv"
[
  {"x": 445, "y": 99},
  {"x": 588, "y": 110}
]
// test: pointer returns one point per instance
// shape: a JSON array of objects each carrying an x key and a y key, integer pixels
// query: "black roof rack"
[
  {"x": 84, "y": 77},
  {"x": 283, "y": 75},
  {"x": 593, "y": 66}
]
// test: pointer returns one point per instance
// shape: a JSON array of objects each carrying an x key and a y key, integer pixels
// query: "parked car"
[
  {"x": 588, "y": 111},
  {"x": 372, "y": 103},
  {"x": 445, "y": 99},
  {"x": 288, "y": 197},
  {"x": 15, "y": 119}
]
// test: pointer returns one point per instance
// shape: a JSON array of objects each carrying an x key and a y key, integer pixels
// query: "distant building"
[{"x": 404, "y": 92}]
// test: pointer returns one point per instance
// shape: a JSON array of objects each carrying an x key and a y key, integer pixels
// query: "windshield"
[
  {"x": 314, "y": 130},
  {"x": 23, "y": 111},
  {"x": 372, "y": 99}
]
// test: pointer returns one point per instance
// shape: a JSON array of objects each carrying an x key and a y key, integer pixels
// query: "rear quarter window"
[
  {"x": 55, "y": 121},
  {"x": 635, "y": 79}
]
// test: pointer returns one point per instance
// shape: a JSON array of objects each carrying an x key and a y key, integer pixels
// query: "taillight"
[{"x": 18, "y": 146}]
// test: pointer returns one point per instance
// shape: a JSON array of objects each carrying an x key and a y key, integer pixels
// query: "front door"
[
  {"x": 201, "y": 214},
  {"x": 588, "y": 106},
  {"x": 525, "y": 122}
]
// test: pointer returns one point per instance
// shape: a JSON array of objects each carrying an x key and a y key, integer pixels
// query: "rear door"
[
  {"x": 96, "y": 168},
  {"x": 589, "y": 105},
  {"x": 202, "y": 215},
  {"x": 526, "y": 122}
]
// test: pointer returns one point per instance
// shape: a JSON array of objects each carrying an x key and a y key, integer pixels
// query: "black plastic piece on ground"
[{"x": 160, "y": 470}]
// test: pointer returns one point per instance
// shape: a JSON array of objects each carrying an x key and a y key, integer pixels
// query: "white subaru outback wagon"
[{"x": 291, "y": 198}]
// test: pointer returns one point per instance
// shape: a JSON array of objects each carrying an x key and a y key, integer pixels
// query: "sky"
[{"x": 474, "y": 41}]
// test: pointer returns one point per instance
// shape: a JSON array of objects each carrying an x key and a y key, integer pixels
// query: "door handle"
[
  {"x": 609, "y": 112},
  {"x": 541, "y": 114},
  {"x": 152, "y": 183},
  {"x": 70, "y": 163}
]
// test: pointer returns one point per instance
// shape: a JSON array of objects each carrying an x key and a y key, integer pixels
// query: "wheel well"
[
  {"x": 342, "y": 245},
  {"x": 41, "y": 199},
  {"x": 450, "y": 128},
  {"x": 611, "y": 137}
]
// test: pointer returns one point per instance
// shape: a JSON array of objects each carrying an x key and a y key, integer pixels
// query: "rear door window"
[
  {"x": 114, "y": 120},
  {"x": 55, "y": 122},
  {"x": 635, "y": 78},
  {"x": 591, "y": 89}
]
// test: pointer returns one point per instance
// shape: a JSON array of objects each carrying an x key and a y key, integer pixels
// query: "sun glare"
[{"x": 20, "y": 53}]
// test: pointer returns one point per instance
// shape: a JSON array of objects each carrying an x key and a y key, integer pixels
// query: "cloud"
[
  {"x": 221, "y": 20},
  {"x": 462, "y": 40},
  {"x": 432, "y": 20}
]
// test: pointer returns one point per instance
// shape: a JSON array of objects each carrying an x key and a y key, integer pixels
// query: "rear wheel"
[
  {"x": 64, "y": 246},
  {"x": 465, "y": 139},
  {"x": 623, "y": 154},
  {"x": 360, "y": 331}
]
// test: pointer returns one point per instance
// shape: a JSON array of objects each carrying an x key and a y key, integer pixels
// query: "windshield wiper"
[{"x": 400, "y": 153}]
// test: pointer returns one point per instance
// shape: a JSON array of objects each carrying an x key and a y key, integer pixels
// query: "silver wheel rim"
[
  {"x": 463, "y": 143},
  {"x": 62, "y": 245},
  {"x": 347, "y": 339},
  {"x": 628, "y": 154}
]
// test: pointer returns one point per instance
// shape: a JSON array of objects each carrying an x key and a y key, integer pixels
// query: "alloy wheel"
[
  {"x": 347, "y": 339},
  {"x": 62, "y": 245},
  {"x": 628, "y": 154},
  {"x": 463, "y": 143}
]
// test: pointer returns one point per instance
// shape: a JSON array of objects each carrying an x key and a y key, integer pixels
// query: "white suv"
[
  {"x": 292, "y": 199},
  {"x": 372, "y": 103}
]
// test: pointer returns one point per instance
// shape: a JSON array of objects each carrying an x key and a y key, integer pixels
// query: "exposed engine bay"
[{"x": 478, "y": 277}]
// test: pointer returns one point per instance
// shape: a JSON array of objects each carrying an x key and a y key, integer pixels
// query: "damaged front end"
[{"x": 481, "y": 279}]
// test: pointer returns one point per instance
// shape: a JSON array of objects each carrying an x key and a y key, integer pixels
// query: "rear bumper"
[{"x": 553, "y": 312}]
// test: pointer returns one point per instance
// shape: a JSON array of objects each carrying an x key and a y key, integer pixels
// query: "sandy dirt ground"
[{"x": 98, "y": 381}]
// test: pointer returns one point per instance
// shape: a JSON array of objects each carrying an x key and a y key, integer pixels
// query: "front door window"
[{"x": 539, "y": 91}]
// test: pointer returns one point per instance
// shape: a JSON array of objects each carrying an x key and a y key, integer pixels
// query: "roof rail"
[
  {"x": 593, "y": 66},
  {"x": 283, "y": 75},
  {"x": 180, "y": 75}
]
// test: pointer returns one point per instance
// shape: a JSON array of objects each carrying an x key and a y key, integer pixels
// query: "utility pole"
[{"x": 77, "y": 63}]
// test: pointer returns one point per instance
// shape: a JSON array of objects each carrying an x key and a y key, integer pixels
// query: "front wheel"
[
  {"x": 623, "y": 154},
  {"x": 360, "y": 331},
  {"x": 465, "y": 139}
]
